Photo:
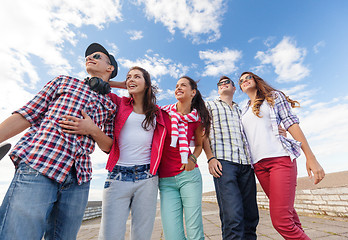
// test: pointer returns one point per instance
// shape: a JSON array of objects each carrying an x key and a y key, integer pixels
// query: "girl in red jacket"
[{"x": 132, "y": 182}]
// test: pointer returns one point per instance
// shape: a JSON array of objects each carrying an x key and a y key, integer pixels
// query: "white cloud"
[
  {"x": 301, "y": 94},
  {"x": 156, "y": 65},
  {"x": 193, "y": 18},
  {"x": 317, "y": 46},
  {"x": 259, "y": 70},
  {"x": 220, "y": 63},
  {"x": 252, "y": 39},
  {"x": 113, "y": 49},
  {"x": 269, "y": 41},
  {"x": 213, "y": 95},
  {"x": 287, "y": 60},
  {"x": 165, "y": 94},
  {"x": 295, "y": 89},
  {"x": 122, "y": 93},
  {"x": 38, "y": 30},
  {"x": 135, "y": 35}
]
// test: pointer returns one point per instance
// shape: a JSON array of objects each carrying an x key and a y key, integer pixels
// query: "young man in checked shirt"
[
  {"x": 49, "y": 192},
  {"x": 230, "y": 164}
]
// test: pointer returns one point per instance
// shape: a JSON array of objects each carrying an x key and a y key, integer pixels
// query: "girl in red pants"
[{"x": 273, "y": 155}]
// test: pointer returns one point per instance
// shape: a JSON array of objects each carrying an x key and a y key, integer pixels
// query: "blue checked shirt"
[
  {"x": 281, "y": 113},
  {"x": 45, "y": 147},
  {"x": 227, "y": 138}
]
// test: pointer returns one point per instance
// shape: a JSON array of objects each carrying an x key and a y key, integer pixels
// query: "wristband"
[
  {"x": 210, "y": 159},
  {"x": 193, "y": 158}
]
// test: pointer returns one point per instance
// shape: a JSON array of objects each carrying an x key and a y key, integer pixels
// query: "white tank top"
[
  {"x": 263, "y": 142},
  {"x": 135, "y": 142}
]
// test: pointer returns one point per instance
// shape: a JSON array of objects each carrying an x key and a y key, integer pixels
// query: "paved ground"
[{"x": 316, "y": 227}]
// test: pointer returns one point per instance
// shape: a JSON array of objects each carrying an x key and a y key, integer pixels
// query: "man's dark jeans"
[{"x": 236, "y": 196}]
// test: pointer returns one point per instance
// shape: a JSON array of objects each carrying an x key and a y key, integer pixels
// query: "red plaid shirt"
[{"x": 45, "y": 147}]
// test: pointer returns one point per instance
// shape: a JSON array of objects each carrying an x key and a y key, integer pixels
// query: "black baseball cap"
[{"x": 96, "y": 47}]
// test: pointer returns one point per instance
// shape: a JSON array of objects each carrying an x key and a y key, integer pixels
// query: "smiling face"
[
  {"x": 247, "y": 82},
  {"x": 225, "y": 86},
  {"x": 98, "y": 63},
  {"x": 184, "y": 91},
  {"x": 135, "y": 82}
]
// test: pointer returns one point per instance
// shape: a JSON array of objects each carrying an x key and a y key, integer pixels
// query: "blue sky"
[{"x": 299, "y": 47}]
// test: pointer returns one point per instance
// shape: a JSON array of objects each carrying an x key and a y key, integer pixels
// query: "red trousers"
[{"x": 277, "y": 177}]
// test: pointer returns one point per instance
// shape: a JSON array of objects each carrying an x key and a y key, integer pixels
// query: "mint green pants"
[{"x": 182, "y": 195}]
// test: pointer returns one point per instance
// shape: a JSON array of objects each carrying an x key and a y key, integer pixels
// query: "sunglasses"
[
  {"x": 241, "y": 81},
  {"x": 97, "y": 56},
  {"x": 225, "y": 82}
]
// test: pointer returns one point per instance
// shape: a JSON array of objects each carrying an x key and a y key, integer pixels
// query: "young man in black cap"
[{"x": 49, "y": 191}]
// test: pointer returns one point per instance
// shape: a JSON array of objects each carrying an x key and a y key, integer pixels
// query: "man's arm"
[
  {"x": 215, "y": 167},
  {"x": 13, "y": 125}
]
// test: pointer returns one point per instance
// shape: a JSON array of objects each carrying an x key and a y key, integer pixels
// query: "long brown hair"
[
  {"x": 264, "y": 91},
  {"x": 149, "y": 100},
  {"x": 198, "y": 104}
]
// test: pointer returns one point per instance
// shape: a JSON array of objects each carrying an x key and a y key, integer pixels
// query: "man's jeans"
[
  {"x": 35, "y": 205},
  {"x": 236, "y": 196}
]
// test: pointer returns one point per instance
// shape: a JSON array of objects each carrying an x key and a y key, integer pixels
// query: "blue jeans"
[
  {"x": 128, "y": 174},
  {"x": 35, "y": 205},
  {"x": 236, "y": 196},
  {"x": 182, "y": 193}
]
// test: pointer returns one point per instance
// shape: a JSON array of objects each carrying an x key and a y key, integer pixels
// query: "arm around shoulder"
[{"x": 115, "y": 84}]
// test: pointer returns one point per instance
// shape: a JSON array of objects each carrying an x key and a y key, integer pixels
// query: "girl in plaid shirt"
[{"x": 274, "y": 156}]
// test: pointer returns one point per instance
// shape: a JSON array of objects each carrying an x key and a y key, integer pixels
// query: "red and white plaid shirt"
[{"x": 45, "y": 147}]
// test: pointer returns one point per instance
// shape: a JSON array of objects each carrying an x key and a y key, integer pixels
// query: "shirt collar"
[{"x": 219, "y": 99}]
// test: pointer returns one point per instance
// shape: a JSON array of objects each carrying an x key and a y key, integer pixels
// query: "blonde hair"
[{"x": 265, "y": 92}]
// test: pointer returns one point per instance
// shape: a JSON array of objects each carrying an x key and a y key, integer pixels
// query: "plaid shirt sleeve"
[
  {"x": 283, "y": 110},
  {"x": 109, "y": 126},
  {"x": 207, "y": 105},
  {"x": 32, "y": 111}
]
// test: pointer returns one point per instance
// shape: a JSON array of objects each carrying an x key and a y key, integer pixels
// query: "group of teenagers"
[{"x": 149, "y": 149}]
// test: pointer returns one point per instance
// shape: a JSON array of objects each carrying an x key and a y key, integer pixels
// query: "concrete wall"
[
  {"x": 329, "y": 197},
  {"x": 324, "y": 201},
  {"x": 93, "y": 210}
]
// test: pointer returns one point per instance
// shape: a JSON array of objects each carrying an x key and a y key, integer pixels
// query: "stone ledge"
[{"x": 325, "y": 203}]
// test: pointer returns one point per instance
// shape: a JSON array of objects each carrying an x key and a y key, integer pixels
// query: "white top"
[
  {"x": 135, "y": 142},
  {"x": 263, "y": 143}
]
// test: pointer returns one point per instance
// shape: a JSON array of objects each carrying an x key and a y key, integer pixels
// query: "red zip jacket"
[{"x": 125, "y": 108}]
